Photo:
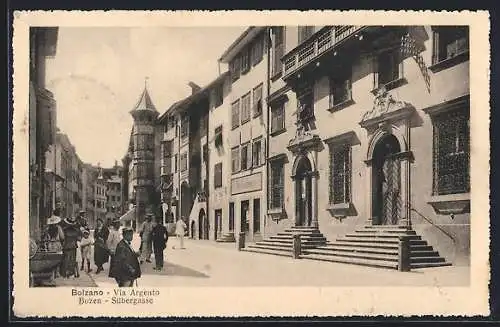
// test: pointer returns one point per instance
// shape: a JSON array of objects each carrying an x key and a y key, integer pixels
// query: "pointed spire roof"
[{"x": 145, "y": 102}]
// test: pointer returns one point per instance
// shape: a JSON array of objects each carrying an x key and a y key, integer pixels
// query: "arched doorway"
[
  {"x": 192, "y": 228},
  {"x": 303, "y": 192},
  {"x": 202, "y": 225},
  {"x": 386, "y": 182},
  {"x": 186, "y": 202}
]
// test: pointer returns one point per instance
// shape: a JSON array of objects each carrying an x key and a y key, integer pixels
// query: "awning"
[{"x": 129, "y": 215}]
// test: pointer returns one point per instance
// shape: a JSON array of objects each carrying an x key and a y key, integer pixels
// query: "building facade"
[
  {"x": 248, "y": 64},
  {"x": 370, "y": 126}
]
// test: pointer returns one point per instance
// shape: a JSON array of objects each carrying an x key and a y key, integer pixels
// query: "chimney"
[{"x": 194, "y": 87}]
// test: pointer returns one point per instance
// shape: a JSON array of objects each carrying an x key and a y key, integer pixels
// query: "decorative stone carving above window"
[{"x": 385, "y": 109}]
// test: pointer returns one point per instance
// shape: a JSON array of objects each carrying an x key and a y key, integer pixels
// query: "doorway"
[
  {"x": 303, "y": 193},
  {"x": 218, "y": 224},
  {"x": 256, "y": 216},
  {"x": 186, "y": 201},
  {"x": 231, "y": 217},
  {"x": 245, "y": 206},
  {"x": 202, "y": 225},
  {"x": 386, "y": 182}
]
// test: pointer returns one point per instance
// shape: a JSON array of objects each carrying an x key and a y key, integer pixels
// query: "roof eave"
[{"x": 239, "y": 43}]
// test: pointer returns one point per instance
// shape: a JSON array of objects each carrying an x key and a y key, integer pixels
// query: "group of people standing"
[
  {"x": 65, "y": 235},
  {"x": 154, "y": 237}
]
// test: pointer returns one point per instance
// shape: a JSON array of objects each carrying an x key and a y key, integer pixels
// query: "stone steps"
[{"x": 374, "y": 246}]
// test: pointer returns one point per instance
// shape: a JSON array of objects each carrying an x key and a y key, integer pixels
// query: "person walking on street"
[
  {"x": 180, "y": 231},
  {"x": 113, "y": 238},
  {"x": 159, "y": 237},
  {"x": 125, "y": 267},
  {"x": 101, "y": 252},
  {"x": 86, "y": 248},
  {"x": 146, "y": 244}
]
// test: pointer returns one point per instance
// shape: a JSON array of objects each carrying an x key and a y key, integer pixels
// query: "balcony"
[{"x": 318, "y": 44}]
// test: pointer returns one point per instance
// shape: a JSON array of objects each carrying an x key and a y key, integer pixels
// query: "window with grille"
[
  {"x": 451, "y": 153},
  {"x": 257, "y": 101},
  {"x": 245, "y": 108},
  {"x": 276, "y": 190},
  {"x": 257, "y": 50},
  {"x": 235, "y": 160},
  {"x": 235, "y": 114},
  {"x": 184, "y": 162},
  {"x": 245, "y": 157},
  {"x": 340, "y": 88},
  {"x": 388, "y": 67},
  {"x": 278, "y": 117},
  {"x": 305, "y": 104},
  {"x": 305, "y": 32},
  {"x": 449, "y": 41},
  {"x": 218, "y": 175},
  {"x": 218, "y": 136},
  {"x": 278, "y": 49},
  {"x": 256, "y": 153},
  {"x": 245, "y": 61},
  {"x": 340, "y": 174}
]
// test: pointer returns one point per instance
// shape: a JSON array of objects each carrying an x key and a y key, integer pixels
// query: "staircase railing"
[{"x": 432, "y": 223}]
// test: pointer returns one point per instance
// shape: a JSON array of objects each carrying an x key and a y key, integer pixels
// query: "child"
[{"x": 86, "y": 246}]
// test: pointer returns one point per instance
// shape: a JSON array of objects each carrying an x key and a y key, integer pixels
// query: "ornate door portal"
[
  {"x": 303, "y": 198},
  {"x": 387, "y": 202}
]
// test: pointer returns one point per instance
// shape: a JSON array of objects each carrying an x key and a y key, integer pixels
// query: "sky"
[{"x": 98, "y": 75}]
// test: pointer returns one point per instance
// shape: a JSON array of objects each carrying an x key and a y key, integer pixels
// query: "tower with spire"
[{"x": 143, "y": 153}]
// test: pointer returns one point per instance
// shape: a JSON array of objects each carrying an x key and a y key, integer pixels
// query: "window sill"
[
  {"x": 234, "y": 127},
  {"x": 447, "y": 63},
  {"x": 341, "y": 105},
  {"x": 276, "y": 76},
  {"x": 278, "y": 132},
  {"x": 243, "y": 122},
  {"x": 451, "y": 203},
  {"x": 339, "y": 208},
  {"x": 257, "y": 115},
  {"x": 391, "y": 85},
  {"x": 275, "y": 211}
]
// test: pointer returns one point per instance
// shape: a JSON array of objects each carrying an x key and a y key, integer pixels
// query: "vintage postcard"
[{"x": 250, "y": 163}]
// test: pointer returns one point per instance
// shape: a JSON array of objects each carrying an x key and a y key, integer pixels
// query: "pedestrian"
[
  {"x": 114, "y": 237},
  {"x": 54, "y": 238},
  {"x": 54, "y": 235},
  {"x": 159, "y": 236},
  {"x": 101, "y": 252},
  {"x": 125, "y": 267},
  {"x": 180, "y": 231},
  {"x": 146, "y": 244},
  {"x": 72, "y": 235},
  {"x": 86, "y": 248}
]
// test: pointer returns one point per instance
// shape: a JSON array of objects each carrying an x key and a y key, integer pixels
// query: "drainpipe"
[
  {"x": 268, "y": 87},
  {"x": 178, "y": 133}
]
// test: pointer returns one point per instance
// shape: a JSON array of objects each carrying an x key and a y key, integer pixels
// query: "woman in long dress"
[
  {"x": 72, "y": 235},
  {"x": 101, "y": 254}
]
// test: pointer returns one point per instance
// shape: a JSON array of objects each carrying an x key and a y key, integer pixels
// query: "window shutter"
[
  {"x": 262, "y": 151},
  {"x": 249, "y": 155}
]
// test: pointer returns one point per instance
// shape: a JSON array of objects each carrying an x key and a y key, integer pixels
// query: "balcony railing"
[{"x": 322, "y": 41}]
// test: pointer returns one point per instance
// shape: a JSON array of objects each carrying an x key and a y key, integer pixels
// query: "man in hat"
[
  {"x": 125, "y": 267},
  {"x": 159, "y": 236},
  {"x": 146, "y": 242}
]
